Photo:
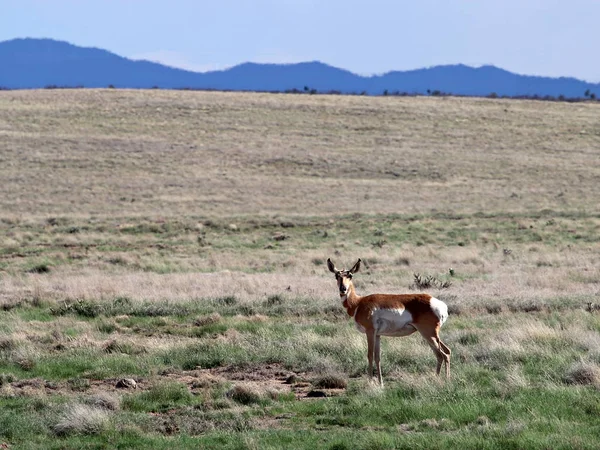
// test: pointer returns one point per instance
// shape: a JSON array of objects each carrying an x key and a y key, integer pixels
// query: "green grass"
[
  {"x": 160, "y": 397},
  {"x": 460, "y": 412},
  {"x": 166, "y": 253}
]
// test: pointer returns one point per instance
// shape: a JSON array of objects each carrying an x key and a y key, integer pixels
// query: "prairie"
[{"x": 176, "y": 240}]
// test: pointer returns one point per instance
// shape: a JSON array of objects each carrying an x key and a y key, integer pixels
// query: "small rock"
[
  {"x": 316, "y": 394},
  {"x": 126, "y": 383}
]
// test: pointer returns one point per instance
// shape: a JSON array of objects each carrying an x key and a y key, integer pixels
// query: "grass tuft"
[
  {"x": 583, "y": 373},
  {"x": 39, "y": 268},
  {"x": 82, "y": 419},
  {"x": 331, "y": 381},
  {"x": 208, "y": 319},
  {"x": 104, "y": 400},
  {"x": 245, "y": 394}
]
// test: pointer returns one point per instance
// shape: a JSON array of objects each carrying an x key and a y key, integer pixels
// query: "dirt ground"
[{"x": 270, "y": 378}]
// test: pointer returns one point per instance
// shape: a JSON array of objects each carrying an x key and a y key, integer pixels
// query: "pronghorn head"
[{"x": 343, "y": 277}]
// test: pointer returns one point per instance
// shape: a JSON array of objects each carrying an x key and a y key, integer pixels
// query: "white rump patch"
[
  {"x": 439, "y": 308},
  {"x": 393, "y": 322}
]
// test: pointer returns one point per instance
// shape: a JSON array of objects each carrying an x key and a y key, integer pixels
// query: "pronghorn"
[{"x": 379, "y": 315}]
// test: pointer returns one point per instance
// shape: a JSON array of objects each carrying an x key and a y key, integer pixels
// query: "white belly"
[{"x": 392, "y": 322}]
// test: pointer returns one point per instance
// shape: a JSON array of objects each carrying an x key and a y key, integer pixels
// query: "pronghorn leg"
[
  {"x": 447, "y": 353},
  {"x": 370, "y": 351},
  {"x": 439, "y": 350},
  {"x": 378, "y": 359}
]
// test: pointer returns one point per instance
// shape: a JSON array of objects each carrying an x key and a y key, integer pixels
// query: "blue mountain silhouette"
[{"x": 38, "y": 63}]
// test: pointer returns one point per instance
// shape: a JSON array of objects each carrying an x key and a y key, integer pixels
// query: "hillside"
[
  {"x": 39, "y": 63},
  {"x": 218, "y": 154}
]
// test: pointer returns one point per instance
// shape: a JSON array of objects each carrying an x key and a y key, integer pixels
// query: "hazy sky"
[{"x": 534, "y": 37}]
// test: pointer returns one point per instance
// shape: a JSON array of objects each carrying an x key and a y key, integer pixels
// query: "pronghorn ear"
[
  {"x": 331, "y": 266},
  {"x": 356, "y": 267}
]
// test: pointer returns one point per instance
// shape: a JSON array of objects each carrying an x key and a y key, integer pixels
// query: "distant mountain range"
[{"x": 39, "y": 63}]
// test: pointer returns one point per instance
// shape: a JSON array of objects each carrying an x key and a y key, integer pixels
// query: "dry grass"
[
  {"x": 82, "y": 419},
  {"x": 175, "y": 196},
  {"x": 168, "y": 153}
]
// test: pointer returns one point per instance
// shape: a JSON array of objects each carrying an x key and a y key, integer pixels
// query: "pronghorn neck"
[{"x": 350, "y": 300}]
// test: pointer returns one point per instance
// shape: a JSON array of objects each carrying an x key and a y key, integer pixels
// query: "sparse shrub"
[{"x": 429, "y": 282}]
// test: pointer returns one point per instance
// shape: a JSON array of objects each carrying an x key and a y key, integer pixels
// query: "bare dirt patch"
[{"x": 272, "y": 379}]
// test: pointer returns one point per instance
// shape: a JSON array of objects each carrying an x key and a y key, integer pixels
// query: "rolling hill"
[{"x": 38, "y": 63}]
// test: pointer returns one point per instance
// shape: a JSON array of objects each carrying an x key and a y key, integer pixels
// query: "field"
[{"x": 163, "y": 280}]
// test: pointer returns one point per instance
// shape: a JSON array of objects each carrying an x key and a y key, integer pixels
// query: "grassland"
[{"x": 179, "y": 239}]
